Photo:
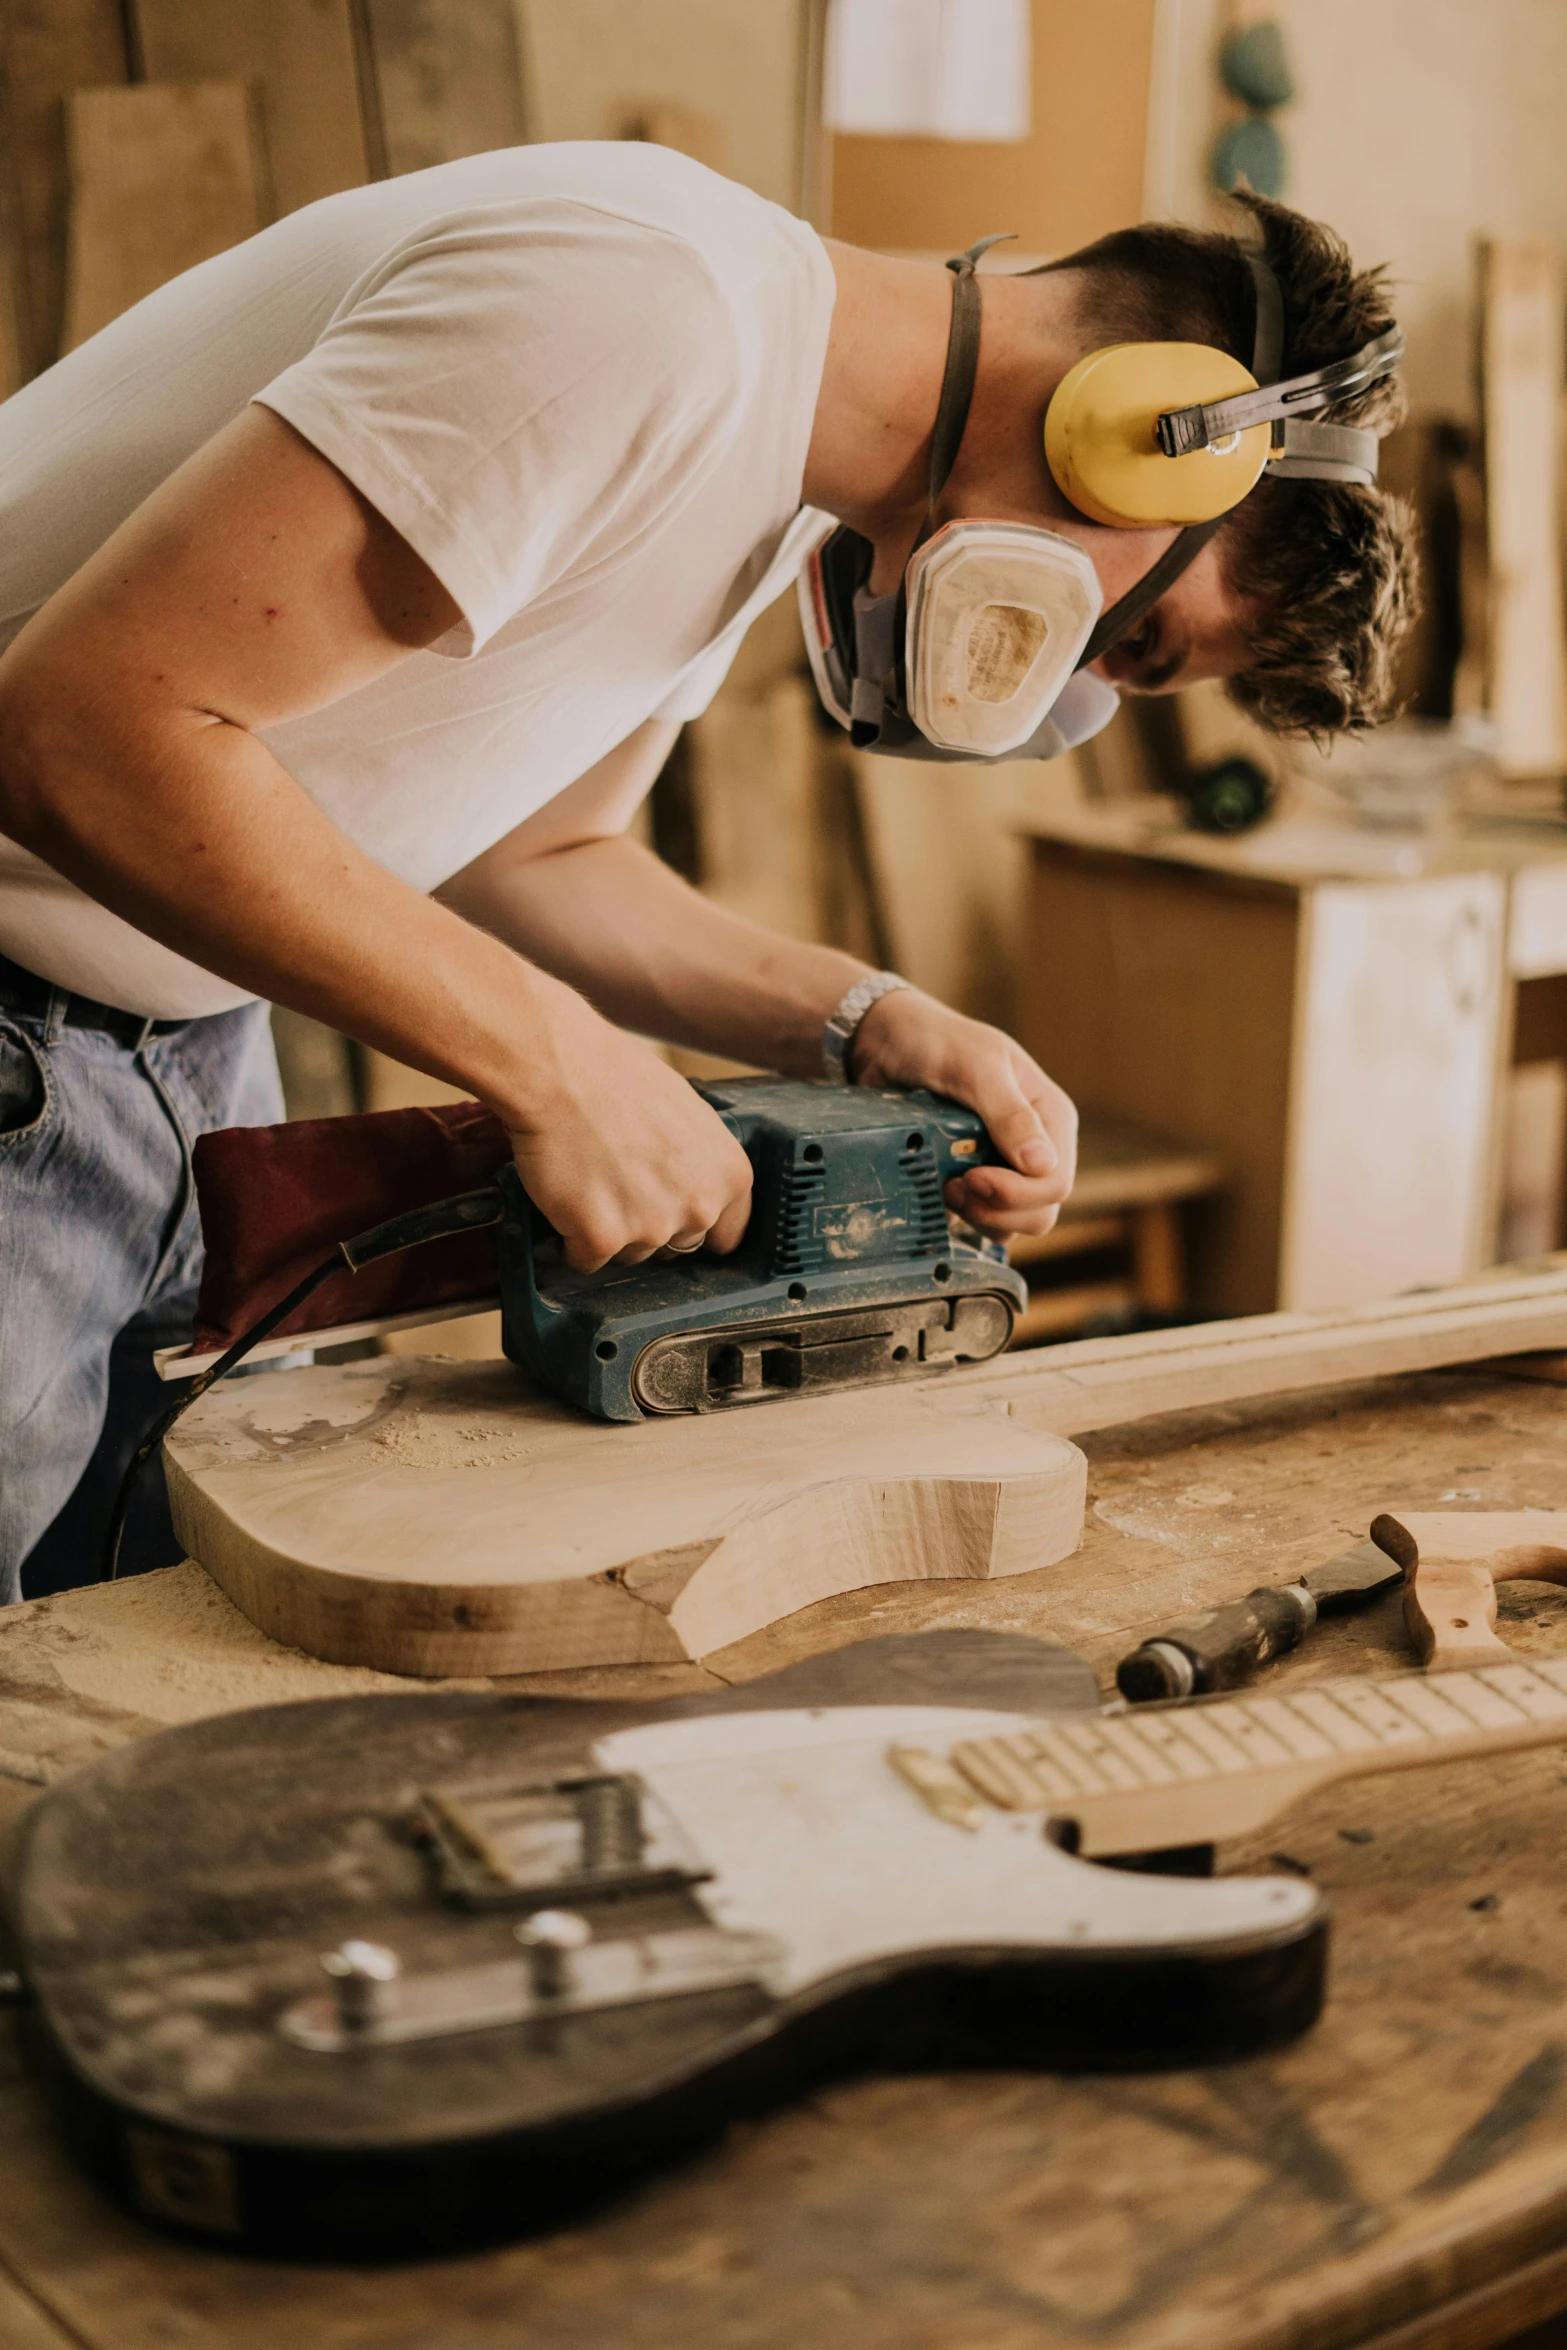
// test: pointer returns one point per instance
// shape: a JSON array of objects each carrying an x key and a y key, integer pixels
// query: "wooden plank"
[
  {"x": 162, "y": 176},
  {"x": 1104, "y": 1383},
  {"x": 446, "y": 79},
  {"x": 438, "y": 1517},
  {"x": 1521, "y": 376},
  {"x": 298, "y": 56},
  {"x": 50, "y": 48}
]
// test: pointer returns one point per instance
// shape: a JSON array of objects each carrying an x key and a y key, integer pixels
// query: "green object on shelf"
[
  {"x": 1251, "y": 151},
  {"x": 1233, "y": 796},
  {"x": 1254, "y": 66}
]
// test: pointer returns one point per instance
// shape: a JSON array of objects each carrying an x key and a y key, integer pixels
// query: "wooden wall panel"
[
  {"x": 446, "y": 76},
  {"x": 593, "y": 68},
  {"x": 163, "y": 176},
  {"x": 298, "y": 55},
  {"x": 1080, "y": 173},
  {"x": 50, "y": 48}
]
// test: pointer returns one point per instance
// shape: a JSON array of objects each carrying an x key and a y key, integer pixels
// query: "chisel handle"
[{"x": 1219, "y": 1650}]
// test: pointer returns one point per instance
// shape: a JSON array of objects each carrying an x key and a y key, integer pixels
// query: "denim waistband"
[{"x": 27, "y": 997}]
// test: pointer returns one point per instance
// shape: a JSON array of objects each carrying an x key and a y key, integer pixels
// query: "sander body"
[{"x": 848, "y": 1274}]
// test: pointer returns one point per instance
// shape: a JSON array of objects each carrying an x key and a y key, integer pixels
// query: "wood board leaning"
[{"x": 434, "y": 1517}]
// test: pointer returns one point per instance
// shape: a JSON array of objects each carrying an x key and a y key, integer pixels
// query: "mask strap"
[
  {"x": 1129, "y": 611},
  {"x": 957, "y": 382}
]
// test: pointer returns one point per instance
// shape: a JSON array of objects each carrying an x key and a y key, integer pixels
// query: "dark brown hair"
[{"x": 1327, "y": 571}]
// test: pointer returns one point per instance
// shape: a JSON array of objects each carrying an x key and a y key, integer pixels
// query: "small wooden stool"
[{"x": 1128, "y": 1195}]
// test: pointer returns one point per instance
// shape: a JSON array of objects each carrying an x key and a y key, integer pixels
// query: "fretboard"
[{"x": 1161, "y": 1776}]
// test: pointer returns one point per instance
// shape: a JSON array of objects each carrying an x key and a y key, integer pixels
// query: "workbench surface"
[{"x": 1398, "y": 2179}]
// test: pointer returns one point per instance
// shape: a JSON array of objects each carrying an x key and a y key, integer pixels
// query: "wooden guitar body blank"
[{"x": 439, "y": 1518}]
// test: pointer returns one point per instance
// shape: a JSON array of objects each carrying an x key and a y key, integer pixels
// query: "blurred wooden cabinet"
[{"x": 1335, "y": 1041}]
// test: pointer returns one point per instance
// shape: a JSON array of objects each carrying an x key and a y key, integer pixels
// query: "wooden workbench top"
[
  {"x": 1399, "y": 2178},
  {"x": 1304, "y": 845}
]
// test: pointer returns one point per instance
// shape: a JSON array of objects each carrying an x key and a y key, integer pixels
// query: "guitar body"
[{"x": 787, "y": 1904}]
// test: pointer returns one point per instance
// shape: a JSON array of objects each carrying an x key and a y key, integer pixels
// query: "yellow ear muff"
[{"x": 1101, "y": 443}]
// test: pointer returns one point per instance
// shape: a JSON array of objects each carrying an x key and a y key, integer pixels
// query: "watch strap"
[{"x": 844, "y": 1020}]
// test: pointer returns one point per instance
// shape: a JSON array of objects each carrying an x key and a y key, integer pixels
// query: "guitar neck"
[{"x": 1163, "y": 1776}]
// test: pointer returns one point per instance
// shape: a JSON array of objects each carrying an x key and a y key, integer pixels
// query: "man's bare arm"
[
  {"x": 256, "y": 584},
  {"x": 601, "y": 912}
]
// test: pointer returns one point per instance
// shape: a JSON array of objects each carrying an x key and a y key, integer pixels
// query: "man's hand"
[
  {"x": 909, "y": 1039},
  {"x": 623, "y": 1156}
]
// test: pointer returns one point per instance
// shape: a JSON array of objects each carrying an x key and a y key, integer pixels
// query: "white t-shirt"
[{"x": 579, "y": 380}]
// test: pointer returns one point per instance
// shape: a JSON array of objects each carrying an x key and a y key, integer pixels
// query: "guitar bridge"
[
  {"x": 529, "y": 1843},
  {"x": 377, "y": 2005}
]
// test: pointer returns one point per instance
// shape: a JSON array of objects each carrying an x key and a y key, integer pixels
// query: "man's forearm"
[
  {"x": 201, "y": 839},
  {"x": 654, "y": 955}
]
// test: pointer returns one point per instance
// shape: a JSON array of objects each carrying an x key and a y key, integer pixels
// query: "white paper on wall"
[{"x": 944, "y": 69}]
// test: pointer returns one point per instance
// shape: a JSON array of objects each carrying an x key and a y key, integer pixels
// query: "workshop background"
[{"x": 1314, "y": 1009}]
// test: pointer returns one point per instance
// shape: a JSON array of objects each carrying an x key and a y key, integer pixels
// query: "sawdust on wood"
[
  {"x": 425, "y": 1440},
  {"x": 167, "y": 1646}
]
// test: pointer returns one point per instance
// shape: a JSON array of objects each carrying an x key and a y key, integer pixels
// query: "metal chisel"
[{"x": 1224, "y": 1647}]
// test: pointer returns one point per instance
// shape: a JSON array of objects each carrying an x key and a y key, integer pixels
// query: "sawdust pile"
[
  {"x": 427, "y": 1440},
  {"x": 168, "y": 1646}
]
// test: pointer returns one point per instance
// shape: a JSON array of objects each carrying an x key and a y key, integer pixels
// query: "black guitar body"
[{"x": 172, "y": 1902}]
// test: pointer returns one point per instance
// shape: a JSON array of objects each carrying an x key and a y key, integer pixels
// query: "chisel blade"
[{"x": 1352, "y": 1578}]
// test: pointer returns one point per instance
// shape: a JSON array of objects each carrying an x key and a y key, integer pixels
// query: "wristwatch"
[{"x": 844, "y": 1021}]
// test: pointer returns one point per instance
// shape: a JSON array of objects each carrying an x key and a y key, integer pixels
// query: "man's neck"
[{"x": 869, "y": 457}]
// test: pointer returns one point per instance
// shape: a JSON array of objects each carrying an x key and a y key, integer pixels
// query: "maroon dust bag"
[{"x": 275, "y": 1200}]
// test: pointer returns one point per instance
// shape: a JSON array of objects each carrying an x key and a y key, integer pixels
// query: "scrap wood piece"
[
  {"x": 1521, "y": 373},
  {"x": 1453, "y": 1561},
  {"x": 163, "y": 175},
  {"x": 297, "y": 55},
  {"x": 436, "y": 1517}
]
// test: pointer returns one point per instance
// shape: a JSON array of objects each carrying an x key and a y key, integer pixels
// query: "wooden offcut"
[{"x": 163, "y": 176}]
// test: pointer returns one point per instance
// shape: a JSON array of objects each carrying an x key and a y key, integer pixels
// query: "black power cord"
[{"x": 467, "y": 1211}]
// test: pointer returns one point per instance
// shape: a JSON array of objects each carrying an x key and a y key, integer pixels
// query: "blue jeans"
[{"x": 100, "y": 1256}]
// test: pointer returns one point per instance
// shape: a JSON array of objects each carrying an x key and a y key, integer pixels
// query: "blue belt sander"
[{"x": 848, "y": 1273}]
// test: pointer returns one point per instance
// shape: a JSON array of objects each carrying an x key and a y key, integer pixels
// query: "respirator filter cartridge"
[{"x": 998, "y": 614}]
